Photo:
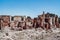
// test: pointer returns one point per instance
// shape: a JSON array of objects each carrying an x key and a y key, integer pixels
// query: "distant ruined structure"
[{"x": 44, "y": 21}]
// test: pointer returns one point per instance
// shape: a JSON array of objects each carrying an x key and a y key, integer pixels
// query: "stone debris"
[{"x": 31, "y": 34}]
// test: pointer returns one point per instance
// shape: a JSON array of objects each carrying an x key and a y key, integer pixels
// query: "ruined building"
[{"x": 45, "y": 21}]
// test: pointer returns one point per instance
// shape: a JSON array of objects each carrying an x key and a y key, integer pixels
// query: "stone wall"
[{"x": 44, "y": 21}]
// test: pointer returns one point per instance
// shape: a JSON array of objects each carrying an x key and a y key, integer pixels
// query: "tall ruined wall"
[{"x": 41, "y": 21}]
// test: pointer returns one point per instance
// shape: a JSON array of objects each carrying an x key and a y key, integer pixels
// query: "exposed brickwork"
[{"x": 45, "y": 21}]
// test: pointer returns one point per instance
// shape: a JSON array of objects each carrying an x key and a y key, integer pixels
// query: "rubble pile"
[{"x": 31, "y": 34}]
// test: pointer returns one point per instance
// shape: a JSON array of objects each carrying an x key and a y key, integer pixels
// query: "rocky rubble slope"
[{"x": 31, "y": 34}]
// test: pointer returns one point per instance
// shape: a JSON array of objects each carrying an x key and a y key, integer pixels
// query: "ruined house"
[
  {"x": 29, "y": 23},
  {"x": 45, "y": 21},
  {"x": 0, "y": 22},
  {"x": 48, "y": 20},
  {"x": 5, "y": 20},
  {"x": 17, "y": 21}
]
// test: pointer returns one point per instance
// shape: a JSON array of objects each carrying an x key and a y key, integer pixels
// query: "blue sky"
[{"x": 31, "y": 8}]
